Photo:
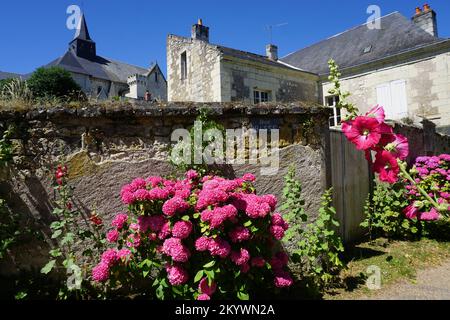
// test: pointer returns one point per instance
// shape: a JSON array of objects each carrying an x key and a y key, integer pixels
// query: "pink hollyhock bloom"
[
  {"x": 386, "y": 166},
  {"x": 202, "y": 244},
  {"x": 119, "y": 221},
  {"x": 258, "y": 262},
  {"x": 387, "y": 135},
  {"x": 411, "y": 211},
  {"x": 174, "y": 248},
  {"x": 399, "y": 147},
  {"x": 278, "y": 220},
  {"x": 364, "y": 132},
  {"x": 245, "y": 268},
  {"x": 109, "y": 257},
  {"x": 165, "y": 231},
  {"x": 241, "y": 257},
  {"x": 133, "y": 241},
  {"x": 283, "y": 279},
  {"x": 123, "y": 254},
  {"x": 431, "y": 215},
  {"x": 112, "y": 236},
  {"x": 192, "y": 174},
  {"x": 182, "y": 229},
  {"x": 155, "y": 223},
  {"x": 100, "y": 273},
  {"x": 239, "y": 234},
  {"x": 277, "y": 232},
  {"x": 203, "y": 297},
  {"x": 376, "y": 112},
  {"x": 174, "y": 205},
  {"x": 248, "y": 177},
  {"x": 177, "y": 275},
  {"x": 205, "y": 288},
  {"x": 219, "y": 247}
]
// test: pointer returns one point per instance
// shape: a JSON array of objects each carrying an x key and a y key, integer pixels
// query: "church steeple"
[{"x": 82, "y": 44}]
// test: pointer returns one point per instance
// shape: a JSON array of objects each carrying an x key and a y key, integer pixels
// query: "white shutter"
[
  {"x": 384, "y": 99},
  {"x": 399, "y": 103}
]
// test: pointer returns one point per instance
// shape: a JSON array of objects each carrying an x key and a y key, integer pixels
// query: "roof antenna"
[{"x": 270, "y": 28}]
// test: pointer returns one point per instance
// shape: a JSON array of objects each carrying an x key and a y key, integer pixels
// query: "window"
[
  {"x": 260, "y": 96},
  {"x": 183, "y": 66},
  {"x": 156, "y": 76},
  {"x": 392, "y": 96},
  {"x": 332, "y": 102}
]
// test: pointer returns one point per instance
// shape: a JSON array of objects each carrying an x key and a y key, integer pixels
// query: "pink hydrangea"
[
  {"x": 203, "y": 297},
  {"x": 202, "y": 244},
  {"x": 256, "y": 207},
  {"x": 133, "y": 241},
  {"x": 239, "y": 234},
  {"x": 155, "y": 223},
  {"x": 174, "y": 205},
  {"x": 158, "y": 194},
  {"x": 431, "y": 215},
  {"x": 141, "y": 195},
  {"x": 174, "y": 248},
  {"x": 100, "y": 273},
  {"x": 279, "y": 260},
  {"x": 119, "y": 221},
  {"x": 278, "y": 220},
  {"x": 123, "y": 254},
  {"x": 277, "y": 232},
  {"x": 248, "y": 177},
  {"x": 205, "y": 288},
  {"x": 154, "y": 181},
  {"x": 240, "y": 257},
  {"x": 165, "y": 231},
  {"x": 219, "y": 247},
  {"x": 258, "y": 262},
  {"x": 271, "y": 200},
  {"x": 177, "y": 275},
  {"x": 245, "y": 268},
  {"x": 191, "y": 174},
  {"x": 182, "y": 229},
  {"x": 282, "y": 279},
  {"x": 112, "y": 236},
  {"x": 210, "y": 197},
  {"x": 109, "y": 257}
]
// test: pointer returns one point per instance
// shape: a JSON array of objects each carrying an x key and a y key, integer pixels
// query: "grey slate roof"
[
  {"x": 82, "y": 30},
  {"x": 397, "y": 34},
  {"x": 101, "y": 68}
]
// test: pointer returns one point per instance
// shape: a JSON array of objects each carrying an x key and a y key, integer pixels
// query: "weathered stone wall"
[{"x": 106, "y": 148}]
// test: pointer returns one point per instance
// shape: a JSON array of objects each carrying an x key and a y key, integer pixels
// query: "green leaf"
[
  {"x": 210, "y": 264},
  {"x": 248, "y": 223},
  {"x": 55, "y": 253},
  {"x": 198, "y": 276},
  {"x": 185, "y": 218},
  {"x": 48, "y": 267},
  {"x": 242, "y": 296},
  {"x": 56, "y": 234}
]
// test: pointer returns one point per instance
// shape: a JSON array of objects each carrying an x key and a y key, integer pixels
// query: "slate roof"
[{"x": 397, "y": 34}]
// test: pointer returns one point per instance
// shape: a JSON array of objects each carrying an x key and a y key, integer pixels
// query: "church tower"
[{"x": 82, "y": 44}]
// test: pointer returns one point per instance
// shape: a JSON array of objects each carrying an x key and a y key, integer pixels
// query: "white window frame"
[
  {"x": 336, "y": 118},
  {"x": 260, "y": 96},
  {"x": 393, "y": 98}
]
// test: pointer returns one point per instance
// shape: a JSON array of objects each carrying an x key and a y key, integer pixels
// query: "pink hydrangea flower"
[
  {"x": 205, "y": 288},
  {"x": 182, "y": 229},
  {"x": 203, "y": 297},
  {"x": 174, "y": 205},
  {"x": 165, "y": 231},
  {"x": 174, "y": 248},
  {"x": 158, "y": 194},
  {"x": 154, "y": 181},
  {"x": 109, "y": 257},
  {"x": 240, "y": 257},
  {"x": 277, "y": 232},
  {"x": 191, "y": 174},
  {"x": 119, "y": 221},
  {"x": 258, "y": 262},
  {"x": 210, "y": 197},
  {"x": 112, "y": 236},
  {"x": 248, "y": 177},
  {"x": 202, "y": 244},
  {"x": 271, "y": 200},
  {"x": 278, "y": 220},
  {"x": 133, "y": 241},
  {"x": 123, "y": 254},
  {"x": 100, "y": 273},
  {"x": 177, "y": 275},
  {"x": 256, "y": 206},
  {"x": 245, "y": 268},
  {"x": 219, "y": 247},
  {"x": 282, "y": 279},
  {"x": 239, "y": 234},
  {"x": 279, "y": 260},
  {"x": 155, "y": 223}
]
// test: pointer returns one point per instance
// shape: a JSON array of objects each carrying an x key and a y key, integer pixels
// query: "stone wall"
[{"x": 106, "y": 148}]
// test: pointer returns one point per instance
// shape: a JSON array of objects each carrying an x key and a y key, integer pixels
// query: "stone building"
[
  {"x": 403, "y": 66},
  {"x": 203, "y": 72}
]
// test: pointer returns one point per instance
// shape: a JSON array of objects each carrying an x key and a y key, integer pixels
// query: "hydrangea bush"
[{"x": 200, "y": 237}]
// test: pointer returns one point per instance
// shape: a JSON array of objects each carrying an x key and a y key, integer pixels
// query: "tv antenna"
[{"x": 271, "y": 26}]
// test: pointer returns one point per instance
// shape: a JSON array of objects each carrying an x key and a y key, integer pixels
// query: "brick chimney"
[
  {"x": 272, "y": 52},
  {"x": 426, "y": 19},
  {"x": 200, "y": 32}
]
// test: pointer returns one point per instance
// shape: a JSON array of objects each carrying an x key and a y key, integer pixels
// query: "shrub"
[
  {"x": 16, "y": 89},
  {"x": 53, "y": 82},
  {"x": 195, "y": 238}
]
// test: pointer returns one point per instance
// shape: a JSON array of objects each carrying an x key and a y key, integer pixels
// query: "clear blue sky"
[{"x": 33, "y": 33}]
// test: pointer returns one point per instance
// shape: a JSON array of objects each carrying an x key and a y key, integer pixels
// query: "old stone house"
[
  {"x": 203, "y": 72},
  {"x": 403, "y": 66}
]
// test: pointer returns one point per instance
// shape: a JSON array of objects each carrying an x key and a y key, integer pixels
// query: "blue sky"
[{"x": 33, "y": 33}]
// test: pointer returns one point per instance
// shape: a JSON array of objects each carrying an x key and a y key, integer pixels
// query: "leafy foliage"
[
  {"x": 53, "y": 81},
  {"x": 6, "y": 147}
]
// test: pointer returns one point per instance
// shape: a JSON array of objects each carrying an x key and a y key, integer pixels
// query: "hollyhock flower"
[
  {"x": 119, "y": 221},
  {"x": 182, "y": 229},
  {"x": 174, "y": 205},
  {"x": 387, "y": 136},
  {"x": 282, "y": 279},
  {"x": 241, "y": 257},
  {"x": 219, "y": 247},
  {"x": 277, "y": 232},
  {"x": 411, "y": 211},
  {"x": 399, "y": 147},
  {"x": 165, "y": 231},
  {"x": 363, "y": 132},
  {"x": 258, "y": 262},
  {"x": 112, "y": 236},
  {"x": 174, "y": 248},
  {"x": 202, "y": 244},
  {"x": 177, "y": 275},
  {"x": 386, "y": 166},
  {"x": 376, "y": 112},
  {"x": 431, "y": 215},
  {"x": 133, "y": 241},
  {"x": 249, "y": 177},
  {"x": 203, "y": 287},
  {"x": 203, "y": 297},
  {"x": 100, "y": 273},
  {"x": 109, "y": 257},
  {"x": 155, "y": 223},
  {"x": 239, "y": 234}
]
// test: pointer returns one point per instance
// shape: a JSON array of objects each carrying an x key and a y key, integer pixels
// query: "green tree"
[{"x": 53, "y": 81}]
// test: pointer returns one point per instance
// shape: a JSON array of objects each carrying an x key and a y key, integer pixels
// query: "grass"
[{"x": 397, "y": 260}]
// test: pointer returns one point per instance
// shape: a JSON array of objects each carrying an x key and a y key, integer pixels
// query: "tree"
[{"x": 53, "y": 81}]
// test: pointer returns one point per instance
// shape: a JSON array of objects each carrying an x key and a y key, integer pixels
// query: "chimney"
[
  {"x": 272, "y": 52},
  {"x": 426, "y": 19},
  {"x": 200, "y": 32}
]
